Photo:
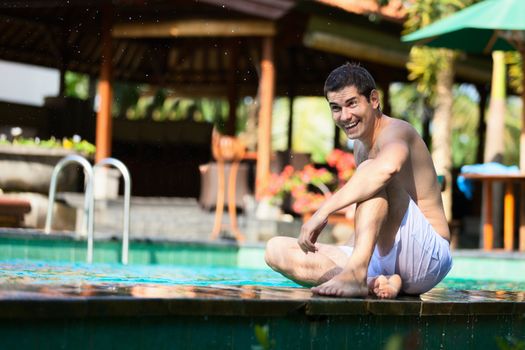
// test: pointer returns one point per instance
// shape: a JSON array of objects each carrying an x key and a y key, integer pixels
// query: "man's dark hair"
[{"x": 350, "y": 74}]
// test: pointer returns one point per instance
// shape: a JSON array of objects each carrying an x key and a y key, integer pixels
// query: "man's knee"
[{"x": 274, "y": 252}]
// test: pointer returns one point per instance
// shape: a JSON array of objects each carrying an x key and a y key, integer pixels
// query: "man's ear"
[{"x": 374, "y": 99}]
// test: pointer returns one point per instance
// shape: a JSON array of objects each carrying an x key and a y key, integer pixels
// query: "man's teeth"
[{"x": 351, "y": 125}]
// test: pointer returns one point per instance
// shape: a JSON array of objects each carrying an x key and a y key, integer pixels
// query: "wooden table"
[{"x": 508, "y": 208}]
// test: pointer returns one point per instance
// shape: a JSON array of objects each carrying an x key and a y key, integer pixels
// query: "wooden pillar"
[
  {"x": 488, "y": 229},
  {"x": 264, "y": 140},
  {"x": 508, "y": 216},
  {"x": 104, "y": 123}
]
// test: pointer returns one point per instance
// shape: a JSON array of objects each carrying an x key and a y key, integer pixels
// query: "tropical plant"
[
  {"x": 515, "y": 63},
  {"x": 433, "y": 71}
]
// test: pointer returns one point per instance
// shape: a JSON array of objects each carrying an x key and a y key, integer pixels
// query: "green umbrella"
[{"x": 481, "y": 28}]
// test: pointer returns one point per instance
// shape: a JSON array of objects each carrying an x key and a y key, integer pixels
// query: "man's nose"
[{"x": 345, "y": 113}]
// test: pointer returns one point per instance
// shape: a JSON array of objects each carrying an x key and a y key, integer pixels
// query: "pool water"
[{"x": 40, "y": 272}]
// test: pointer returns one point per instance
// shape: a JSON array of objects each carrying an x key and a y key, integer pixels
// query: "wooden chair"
[{"x": 227, "y": 149}]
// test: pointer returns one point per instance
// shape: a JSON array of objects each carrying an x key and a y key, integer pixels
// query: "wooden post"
[
  {"x": 508, "y": 216},
  {"x": 488, "y": 229},
  {"x": 264, "y": 140},
  {"x": 522, "y": 218},
  {"x": 104, "y": 123}
]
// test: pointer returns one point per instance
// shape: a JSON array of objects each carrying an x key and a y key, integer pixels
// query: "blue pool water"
[{"x": 39, "y": 272}]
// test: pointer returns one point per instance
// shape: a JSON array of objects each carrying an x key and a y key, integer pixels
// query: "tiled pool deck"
[
  {"x": 244, "y": 317},
  {"x": 225, "y": 300}
]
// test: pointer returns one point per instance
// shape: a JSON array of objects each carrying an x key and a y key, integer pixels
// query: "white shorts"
[{"x": 420, "y": 256}]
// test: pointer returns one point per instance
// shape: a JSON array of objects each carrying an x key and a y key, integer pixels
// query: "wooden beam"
[
  {"x": 195, "y": 27},
  {"x": 264, "y": 136},
  {"x": 272, "y": 9}
]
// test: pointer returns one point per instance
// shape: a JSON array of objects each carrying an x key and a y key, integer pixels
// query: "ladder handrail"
[
  {"x": 127, "y": 199},
  {"x": 88, "y": 198}
]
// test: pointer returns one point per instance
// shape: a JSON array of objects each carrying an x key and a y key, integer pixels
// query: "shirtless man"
[{"x": 401, "y": 233}]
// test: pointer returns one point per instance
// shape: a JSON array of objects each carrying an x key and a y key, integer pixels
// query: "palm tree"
[{"x": 433, "y": 71}]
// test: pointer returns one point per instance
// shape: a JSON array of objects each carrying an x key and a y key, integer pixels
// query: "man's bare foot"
[
  {"x": 344, "y": 284},
  {"x": 386, "y": 287}
]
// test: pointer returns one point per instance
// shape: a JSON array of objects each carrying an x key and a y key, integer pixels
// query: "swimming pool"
[
  {"x": 191, "y": 295},
  {"x": 44, "y": 272}
]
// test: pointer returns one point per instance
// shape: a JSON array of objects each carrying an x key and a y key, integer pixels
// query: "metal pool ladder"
[
  {"x": 89, "y": 200},
  {"x": 127, "y": 199}
]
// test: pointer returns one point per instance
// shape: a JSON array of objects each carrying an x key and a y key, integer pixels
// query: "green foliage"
[
  {"x": 465, "y": 121},
  {"x": 512, "y": 130},
  {"x": 75, "y": 143},
  {"x": 510, "y": 343},
  {"x": 424, "y": 62},
  {"x": 76, "y": 85},
  {"x": 313, "y": 129},
  {"x": 421, "y": 13},
  {"x": 137, "y": 102},
  {"x": 515, "y": 63},
  {"x": 406, "y": 104}
]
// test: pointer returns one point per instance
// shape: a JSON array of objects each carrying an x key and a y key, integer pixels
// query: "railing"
[
  {"x": 87, "y": 226},
  {"x": 89, "y": 200},
  {"x": 127, "y": 199}
]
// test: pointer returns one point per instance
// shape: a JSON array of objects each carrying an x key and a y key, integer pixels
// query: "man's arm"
[{"x": 369, "y": 178}]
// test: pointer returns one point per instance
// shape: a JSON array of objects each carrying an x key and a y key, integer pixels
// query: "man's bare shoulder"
[{"x": 397, "y": 130}]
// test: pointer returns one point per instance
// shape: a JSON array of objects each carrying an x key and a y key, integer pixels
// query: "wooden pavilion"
[{"x": 221, "y": 48}]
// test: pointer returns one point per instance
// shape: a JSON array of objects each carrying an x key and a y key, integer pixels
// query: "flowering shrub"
[
  {"x": 343, "y": 162},
  {"x": 310, "y": 186}
]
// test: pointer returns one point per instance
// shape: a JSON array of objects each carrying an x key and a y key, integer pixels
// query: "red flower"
[{"x": 310, "y": 186}]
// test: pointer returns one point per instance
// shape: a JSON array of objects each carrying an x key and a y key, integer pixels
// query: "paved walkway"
[{"x": 171, "y": 218}]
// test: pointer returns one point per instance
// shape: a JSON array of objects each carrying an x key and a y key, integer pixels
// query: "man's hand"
[{"x": 309, "y": 233}]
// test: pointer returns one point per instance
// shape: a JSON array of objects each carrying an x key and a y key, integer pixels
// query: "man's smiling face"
[{"x": 352, "y": 112}]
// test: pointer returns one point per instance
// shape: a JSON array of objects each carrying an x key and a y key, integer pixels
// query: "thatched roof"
[{"x": 151, "y": 46}]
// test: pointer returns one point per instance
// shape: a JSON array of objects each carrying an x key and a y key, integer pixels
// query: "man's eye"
[{"x": 352, "y": 104}]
